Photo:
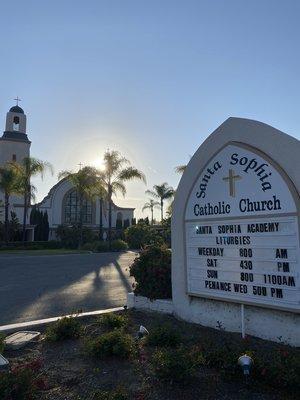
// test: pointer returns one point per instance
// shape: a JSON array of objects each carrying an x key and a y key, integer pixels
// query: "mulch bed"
[{"x": 71, "y": 374}]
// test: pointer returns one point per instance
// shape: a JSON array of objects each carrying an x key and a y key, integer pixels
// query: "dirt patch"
[{"x": 71, "y": 374}]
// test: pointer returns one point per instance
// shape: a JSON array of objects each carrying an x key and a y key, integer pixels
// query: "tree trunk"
[
  {"x": 162, "y": 210},
  {"x": 151, "y": 215},
  {"x": 6, "y": 205},
  {"x": 101, "y": 220},
  {"x": 24, "y": 218},
  {"x": 80, "y": 222},
  {"x": 109, "y": 217}
]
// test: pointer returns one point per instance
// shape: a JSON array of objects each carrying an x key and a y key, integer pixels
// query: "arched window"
[
  {"x": 72, "y": 209},
  {"x": 119, "y": 216},
  {"x": 16, "y": 123},
  {"x": 119, "y": 220}
]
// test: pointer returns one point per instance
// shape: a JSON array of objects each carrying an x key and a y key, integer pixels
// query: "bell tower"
[{"x": 14, "y": 143}]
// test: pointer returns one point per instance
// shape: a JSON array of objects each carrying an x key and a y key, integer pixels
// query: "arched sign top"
[
  {"x": 240, "y": 181},
  {"x": 235, "y": 222}
]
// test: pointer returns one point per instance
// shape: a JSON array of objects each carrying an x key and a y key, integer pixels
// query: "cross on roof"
[{"x": 17, "y": 100}]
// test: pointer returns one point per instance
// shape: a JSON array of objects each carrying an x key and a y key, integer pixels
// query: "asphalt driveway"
[{"x": 43, "y": 286}]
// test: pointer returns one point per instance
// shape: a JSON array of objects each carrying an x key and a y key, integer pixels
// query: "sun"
[{"x": 98, "y": 163}]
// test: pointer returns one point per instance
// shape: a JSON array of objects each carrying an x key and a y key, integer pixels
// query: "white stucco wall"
[
  {"x": 10, "y": 118},
  {"x": 262, "y": 322},
  {"x": 53, "y": 203},
  {"x": 21, "y": 149}
]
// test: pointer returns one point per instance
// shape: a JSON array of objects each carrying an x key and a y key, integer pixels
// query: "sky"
[{"x": 151, "y": 79}]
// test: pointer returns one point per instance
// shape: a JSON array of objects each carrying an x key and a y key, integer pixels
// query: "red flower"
[
  {"x": 263, "y": 372},
  {"x": 42, "y": 383}
]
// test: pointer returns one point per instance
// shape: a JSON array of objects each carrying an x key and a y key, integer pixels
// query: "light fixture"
[
  {"x": 142, "y": 331},
  {"x": 4, "y": 363},
  {"x": 245, "y": 362}
]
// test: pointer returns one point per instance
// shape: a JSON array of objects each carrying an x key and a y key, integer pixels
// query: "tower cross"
[
  {"x": 231, "y": 178},
  {"x": 80, "y": 166},
  {"x": 17, "y": 100}
]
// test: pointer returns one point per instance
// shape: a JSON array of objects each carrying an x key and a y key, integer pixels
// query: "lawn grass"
[{"x": 43, "y": 252}]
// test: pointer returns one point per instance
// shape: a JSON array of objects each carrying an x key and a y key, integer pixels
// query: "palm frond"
[
  {"x": 152, "y": 193},
  {"x": 146, "y": 206},
  {"x": 64, "y": 174},
  {"x": 169, "y": 194},
  {"x": 9, "y": 180},
  {"x": 113, "y": 162},
  {"x": 130, "y": 173},
  {"x": 180, "y": 169},
  {"x": 162, "y": 191},
  {"x": 118, "y": 186},
  {"x": 33, "y": 166}
]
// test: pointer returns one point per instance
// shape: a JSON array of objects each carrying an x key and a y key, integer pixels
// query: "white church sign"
[
  {"x": 241, "y": 224},
  {"x": 235, "y": 228}
]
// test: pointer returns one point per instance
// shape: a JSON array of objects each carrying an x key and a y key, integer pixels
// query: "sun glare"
[{"x": 98, "y": 163}]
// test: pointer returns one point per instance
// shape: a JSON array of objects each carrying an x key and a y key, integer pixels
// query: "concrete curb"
[
  {"x": 143, "y": 303},
  {"x": 22, "y": 325}
]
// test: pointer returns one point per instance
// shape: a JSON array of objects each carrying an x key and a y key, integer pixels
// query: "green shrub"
[
  {"x": 119, "y": 245},
  {"x": 64, "y": 328},
  {"x": 113, "y": 321},
  {"x": 118, "y": 394},
  {"x": 163, "y": 336},
  {"x": 152, "y": 273},
  {"x": 1, "y": 343},
  {"x": 141, "y": 235},
  {"x": 70, "y": 235},
  {"x": 224, "y": 358},
  {"x": 51, "y": 244},
  {"x": 175, "y": 365},
  {"x": 89, "y": 246},
  {"x": 114, "y": 343},
  {"x": 126, "y": 223},
  {"x": 101, "y": 247}
]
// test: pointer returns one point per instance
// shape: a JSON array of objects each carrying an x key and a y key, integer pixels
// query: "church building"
[{"x": 61, "y": 203}]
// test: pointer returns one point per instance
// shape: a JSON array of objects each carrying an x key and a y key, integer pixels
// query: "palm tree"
[
  {"x": 151, "y": 204},
  {"x": 100, "y": 192},
  {"x": 28, "y": 168},
  {"x": 86, "y": 184},
  {"x": 9, "y": 186},
  {"x": 117, "y": 170},
  {"x": 161, "y": 192},
  {"x": 180, "y": 169}
]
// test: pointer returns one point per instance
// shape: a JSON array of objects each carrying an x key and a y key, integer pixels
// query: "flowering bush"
[
  {"x": 175, "y": 366},
  {"x": 152, "y": 273},
  {"x": 23, "y": 381},
  {"x": 279, "y": 368}
]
